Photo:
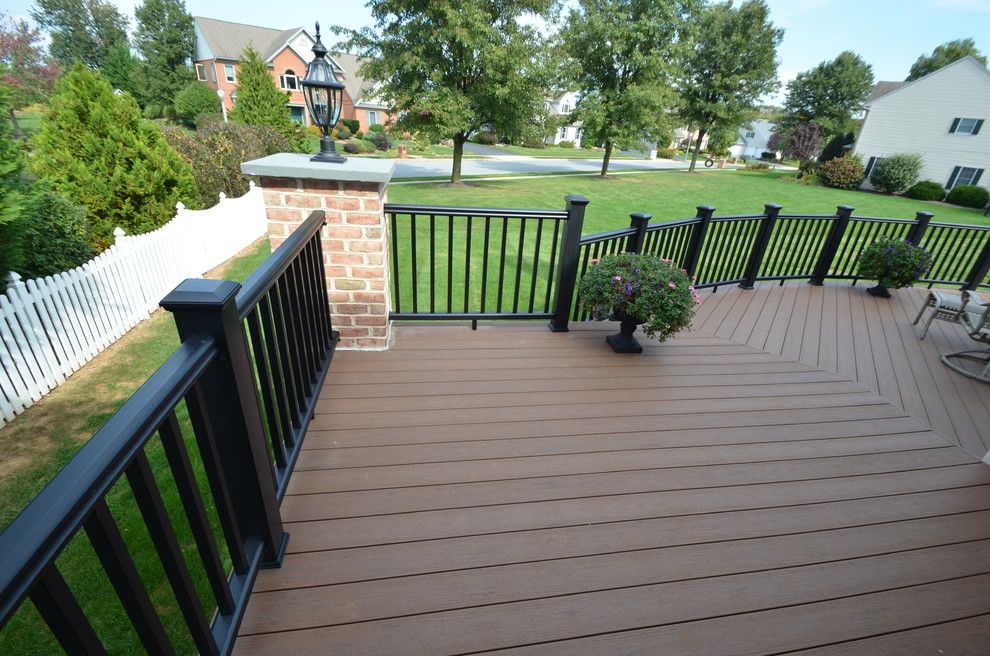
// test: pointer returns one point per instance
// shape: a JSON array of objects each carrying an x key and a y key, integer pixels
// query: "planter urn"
[
  {"x": 624, "y": 341},
  {"x": 880, "y": 291}
]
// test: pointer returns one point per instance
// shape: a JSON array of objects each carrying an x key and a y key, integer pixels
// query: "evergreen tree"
[
  {"x": 165, "y": 39},
  {"x": 81, "y": 30},
  {"x": 13, "y": 200},
  {"x": 627, "y": 55},
  {"x": 97, "y": 151},
  {"x": 732, "y": 64},
  {"x": 944, "y": 55},
  {"x": 260, "y": 102},
  {"x": 121, "y": 69}
]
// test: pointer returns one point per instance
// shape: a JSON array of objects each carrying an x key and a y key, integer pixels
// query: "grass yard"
[
  {"x": 41, "y": 440},
  {"x": 434, "y": 151},
  {"x": 29, "y": 119},
  {"x": 556, "y": 152},
  {"x": 672, "y": 195}
]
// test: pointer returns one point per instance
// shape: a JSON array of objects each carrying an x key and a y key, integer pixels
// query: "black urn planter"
[
  {"x": 879, "y": 291},
  {"x": 624, "y": 341}
]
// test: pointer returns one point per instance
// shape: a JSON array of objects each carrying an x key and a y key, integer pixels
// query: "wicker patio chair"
[
  {"x": 977, "y": 325},
  {"x": 947, "y": 307}
]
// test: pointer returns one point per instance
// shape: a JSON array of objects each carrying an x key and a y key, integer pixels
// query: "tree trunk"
[
  {"x": 608, "y": 156},
  {"x": 455, "y": 171},
  {"x": 697, "y": 149},
  {"x": 17, "y": 126}
]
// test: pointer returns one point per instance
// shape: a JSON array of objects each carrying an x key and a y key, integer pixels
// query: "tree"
[
  {"x": 801, "y": 142},
  {"x": 626, "y": 55},
  {"x": 97, "y": 151},
  {"x": 24, "y": 67},
  {"x": 165, "y": 40},
  {"x": 196, "y": 99},
  {"x": 730, "y": 67},
  {"x": 452, "y": 67},
  {"x": 121, "y": 69},
  {"x": 260, "y": 102},
  {"x": 81, "y": 30},
  {"x": 13, "y": 200},
  {"x": 944, "y": 55},
  {"x": 828, "y": 94}
]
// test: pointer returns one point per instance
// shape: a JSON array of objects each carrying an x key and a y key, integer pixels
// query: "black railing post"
[
  {"x": 693, "y": 252},
  {"x": 980, "y": 268},
  {"x": 640, "y": 222},
  {"x": 567, "y": 262},
  {"x": 917, "y": 231},
  {"x": 832, "y": 243},
  {"x": 770, "y": 212},
  {"x": 230, "y": 399}
]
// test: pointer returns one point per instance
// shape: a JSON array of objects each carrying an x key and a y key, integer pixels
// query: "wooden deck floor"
[{"x": 770, "y": 483}]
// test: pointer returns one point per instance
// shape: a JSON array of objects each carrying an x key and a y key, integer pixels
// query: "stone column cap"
[{"x": 295, "y": 165}]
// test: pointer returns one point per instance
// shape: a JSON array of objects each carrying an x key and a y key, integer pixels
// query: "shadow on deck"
[{"x": 786, "y": 477}]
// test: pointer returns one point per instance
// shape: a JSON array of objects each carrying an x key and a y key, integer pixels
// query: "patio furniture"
[
  {"x": 947, "y": 307},
  {"x": 977, "y": 325}
]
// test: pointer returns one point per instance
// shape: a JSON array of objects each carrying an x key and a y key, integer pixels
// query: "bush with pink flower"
[{"x": 652, "y": 290}]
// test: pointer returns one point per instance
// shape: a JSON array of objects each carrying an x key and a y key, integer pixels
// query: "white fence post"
[{"x": 51, "y": 326}]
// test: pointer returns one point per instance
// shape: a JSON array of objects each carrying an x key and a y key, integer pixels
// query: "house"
[
  {"x": 939, "y": 116},
  {"x": 218, "y": 48},
  {"x": 752, "y": 139},
  {"x": 685, "y": 137},
  {"x": 562, "y": 107}
]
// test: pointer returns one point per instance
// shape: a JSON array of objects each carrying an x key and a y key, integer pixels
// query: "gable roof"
[
  {"x": 360, "y": 90},
  {"x": 968, "y": 60},
  {"x": 227, "y": 40},
  {"x": 882, "y": 89}
]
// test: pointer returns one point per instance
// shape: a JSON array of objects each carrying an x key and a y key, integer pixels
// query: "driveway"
[{"x": 420, "y": 168}]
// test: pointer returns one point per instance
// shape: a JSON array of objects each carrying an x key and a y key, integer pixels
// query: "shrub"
[
  {"x": 260, "y": 102},
  {"x": 537, "y": 144},
  {"x": 352, "y": 147},
  {"x": 314, "y": 131},
  {"x": 566, "y": 144},
  {"x": 895, "y": 173},
  {"x": 359, "y": 135},
  {"x": 352, "y": 124},
  {"x": 654, "y": 291},
  {"x": 152, "y": 111},
  {"x": 343, "y": 132},
  {"x": 926, "y": 190},
  {"x": 767, "y": 155},
  {"x": 377, "y": 127},
  {"x": 382, "y": 141},
  {"x": 487, "y": 138},
  {"x": 667, "y": 153},
  {"x": 757, "y": 166},
  {"x": 196, "y": 99},
  {"x": 215, "y": 152},
  {"x": 894, "y": 263},
  {"x": 836, "y": 147},
  {"x": 367, "y": 146},
  {"x": 97, "y": 151},
  {"x": 969, "y": 196},
  {"x": 56, "y": 235},
  {"x": 842, "y": 172}
]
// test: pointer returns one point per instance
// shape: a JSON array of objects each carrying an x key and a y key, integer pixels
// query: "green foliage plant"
[
  {"x": 196, "y": 99},
  {"x": 260, "y": 102},
  {"x": 842, "y": 172},
  {"x": 926, "y": 190},
  {"x": 652, "y": 290},
  {"x": 969, "y": 196},
  {"x": 893, "y": 174},
  {"x": 894, "y": 263}
]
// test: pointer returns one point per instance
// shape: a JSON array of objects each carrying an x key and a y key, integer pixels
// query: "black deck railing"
[{"x": 233, "y": 402}]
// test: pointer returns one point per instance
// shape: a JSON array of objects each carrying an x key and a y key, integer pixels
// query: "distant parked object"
[
  {"x": 752, "y": 139},
  {"x": 939, "y": 116}
]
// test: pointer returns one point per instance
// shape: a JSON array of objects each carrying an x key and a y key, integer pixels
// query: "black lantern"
[{"x": 324, "y": 95}]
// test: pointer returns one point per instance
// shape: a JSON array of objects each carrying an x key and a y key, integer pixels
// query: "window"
[
  {"x": 373, "y": 118},
  {"x": 964, "y": 175},
  {"x": 750, "y": 135},
  {"x": 563, "y": 133},
  {"x": 869, "y": 167},
  {"x": 297, "y": 114},
  {"x": 228, "y": 72},
  {"x": 288, "y": 80},
  {"x": 201, "y": 72},
  {"x": 565, "y": 109},
  {"x": 970, "y": 126}
]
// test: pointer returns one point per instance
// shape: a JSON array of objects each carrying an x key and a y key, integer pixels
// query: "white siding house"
[
  {"x": 563, "y": 106},
  {"x": 751, "y": 140},
  {"x": 939, "y": 116}
]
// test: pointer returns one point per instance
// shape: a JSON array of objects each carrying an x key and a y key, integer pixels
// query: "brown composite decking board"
[{"x": 746, "y": 488}]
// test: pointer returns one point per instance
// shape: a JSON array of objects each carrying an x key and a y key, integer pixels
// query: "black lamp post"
[{"x": 324, "y": 96}]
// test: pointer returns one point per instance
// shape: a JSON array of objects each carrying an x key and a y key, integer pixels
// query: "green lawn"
[
  {"x": 672, "y": 195},
  {"x": 29, "y": 119},
  {"x": 40, "y": 441},
  {"x": 556, "y": 152},
  {"x": 434, "y": 151}
]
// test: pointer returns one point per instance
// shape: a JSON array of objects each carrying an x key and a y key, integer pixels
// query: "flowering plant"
[
  {"x": 893, "y": 262},
  {"x": 651, "y": 290}
]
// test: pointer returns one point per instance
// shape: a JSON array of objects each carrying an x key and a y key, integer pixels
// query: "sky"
[{"x": 888, "y": 34}]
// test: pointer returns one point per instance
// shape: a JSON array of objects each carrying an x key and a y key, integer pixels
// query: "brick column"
[{"x": 353, "y": 195}]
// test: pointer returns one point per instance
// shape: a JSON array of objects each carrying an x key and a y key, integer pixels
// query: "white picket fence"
[{"x": 50, "y": 327}]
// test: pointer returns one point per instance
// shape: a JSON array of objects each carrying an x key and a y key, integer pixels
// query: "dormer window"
[
  {"x": 289, "y": 80},
  {"x": 750, "y": 135},
  {"x": 970, "y": 126}
]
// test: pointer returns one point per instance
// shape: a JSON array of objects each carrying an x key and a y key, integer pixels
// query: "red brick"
[
  {"x": 365, "y": 246},
  {"x": 349, "y": 285},
  {"x": 378, "y": 285},
  {"x": 346, "y": 258},
  {"x": 351, "y": 309},
  {"x": 366, "y": 272},
  {"x": 336, "y": 271},
  {"x": 375, "y": 258},
  {"x": 303, "y": 200},
  {"x": 283, "y": 214},
  {"x": 280, "y": 184},
  {"x": 343, "y": 232},
  {"x": 373, "y": 233},
  {"x": 342, "y": 203},
  {"x": 331, "y": 245},
  {"x": 361, "y": 189},
  {"x": 378, "y": 331},
  {"x": 353, "y": 331},
  {"x": 324, "y": 186},
  {"x": 371, "y": 204},
  {"x": 356, "y": 218},
  {"x": 273, "y": 197},
  {"x": 343, "y": 297},
  {"x": 371, "y": 342},
  {"x": 333, "y": 216},
  {"x": 370, "y": 320},
  {"x": 342, "y": 320},
  {"x": 275, "y": 241},
  {"x": 369, "y": 297}
]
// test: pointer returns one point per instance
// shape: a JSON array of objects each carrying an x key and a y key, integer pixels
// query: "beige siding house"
[{"x": 939, "y": 116}]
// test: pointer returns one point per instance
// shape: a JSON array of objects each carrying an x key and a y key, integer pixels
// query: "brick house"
[{"x": 219, "y": 45}]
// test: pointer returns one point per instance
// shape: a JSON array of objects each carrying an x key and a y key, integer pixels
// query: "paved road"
[{"x": 416, "y": 168}]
